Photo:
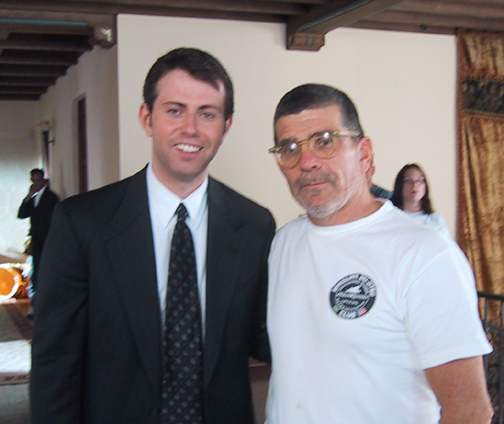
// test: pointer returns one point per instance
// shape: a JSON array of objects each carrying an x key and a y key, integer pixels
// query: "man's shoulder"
[
  {"x": 52, "y": 195},
  {"x": 235, "y": 201},
  {"x": 292, "y": 232},
  {"x": 106, "y": 197},
  {"x": 400, "y": 229}
]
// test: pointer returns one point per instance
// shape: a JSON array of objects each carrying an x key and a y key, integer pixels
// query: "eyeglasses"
[
  {"x": 321, "y": 144},
  {"x": 412, "y": 181}
]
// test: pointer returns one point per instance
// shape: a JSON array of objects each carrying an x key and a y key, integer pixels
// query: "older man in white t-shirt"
[{"x": 372, "y": 318}]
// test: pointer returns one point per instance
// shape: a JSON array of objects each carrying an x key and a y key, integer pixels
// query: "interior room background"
[{"x": 402, "y": 83}]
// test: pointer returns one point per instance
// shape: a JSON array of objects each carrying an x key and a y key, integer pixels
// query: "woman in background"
[{"x": 411, "y": 194}]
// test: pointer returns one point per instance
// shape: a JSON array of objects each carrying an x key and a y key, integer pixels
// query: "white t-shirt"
[
  {"x": 433, "y": 220},
  {"x": 357, "y": 311}
]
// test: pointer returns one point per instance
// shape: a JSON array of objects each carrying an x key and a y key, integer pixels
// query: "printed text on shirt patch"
[{"x": 353, "y": 296}]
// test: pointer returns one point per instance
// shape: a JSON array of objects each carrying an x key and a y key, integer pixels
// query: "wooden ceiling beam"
[
  {"x": 20, "y": 97},
  {"x": 35, "y": 61},
  {"x": 105, "y": 32},
  {"x": 247, "y": 6},
  {"x": 307, "y": 41},
  {"x": 425, "y": 20},
  {"x": 299, "y": 1},
  {"x": 27, "y": 81},
  {"x": 480, "y": 2},
  {"x": 214, "y": 14},
  {"x": 41, "y": 45},
  {"x": 389, "y": 26},
  {"x": 460, "y": 8},
  {"x": 333, "y": 14},
  {"x": 39, "y": 25},
  {"x": 159, "y": 6},
  {"x": 22, "y": 90},
  {"x": 33, "y": 71},
  {"x": 101, "y": 27}
]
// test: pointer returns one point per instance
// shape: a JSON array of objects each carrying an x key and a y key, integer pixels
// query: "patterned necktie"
[{"x": 182, "y": 346}]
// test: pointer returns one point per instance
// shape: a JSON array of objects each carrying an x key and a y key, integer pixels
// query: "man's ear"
[
  {"x": 227, "y": 126},
  {"x": 366, "y": 153},
  {"x": 145, "y": 119}
]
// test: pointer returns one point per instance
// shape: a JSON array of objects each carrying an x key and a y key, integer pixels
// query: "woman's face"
[{"x": 413, "y": 186}]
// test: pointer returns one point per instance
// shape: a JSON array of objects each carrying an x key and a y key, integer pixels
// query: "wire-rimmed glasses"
[{"x": 321, "y": 144}]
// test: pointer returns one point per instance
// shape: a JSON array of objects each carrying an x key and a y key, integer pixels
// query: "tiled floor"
[
  {"x": 24, "y": 305},
  {"x": 14, "y": 405}
]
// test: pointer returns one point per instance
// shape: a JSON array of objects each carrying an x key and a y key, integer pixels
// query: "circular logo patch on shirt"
[{"x": 353, "y": 296}]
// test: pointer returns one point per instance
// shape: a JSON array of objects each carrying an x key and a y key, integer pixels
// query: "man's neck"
[
  {"x": 179, "y": 187},
  {"x": 359, "y": 206}
]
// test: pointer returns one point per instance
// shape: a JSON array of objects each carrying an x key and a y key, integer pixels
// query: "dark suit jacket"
[
  {"x": 97, "y": 323},
  {"x": 40, "y": 220},
  {"x": 40, "y": 216}
]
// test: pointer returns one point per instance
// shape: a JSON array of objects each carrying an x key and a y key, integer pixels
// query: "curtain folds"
[{"x": 481, "y": 156}]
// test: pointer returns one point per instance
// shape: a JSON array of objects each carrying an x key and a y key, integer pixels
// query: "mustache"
[{"x": 314, "y": 178}]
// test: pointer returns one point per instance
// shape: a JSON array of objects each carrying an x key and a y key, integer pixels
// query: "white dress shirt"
[
  {"x": 162, "y": 206},
  {"x": 38, "y": 195}
]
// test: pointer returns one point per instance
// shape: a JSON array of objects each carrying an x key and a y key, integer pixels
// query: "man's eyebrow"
[
  {"x": 172, "y": 103},
  {"x": 183, "y": 105},
  {"x": 296, "y": 140},
  {"x": 202, "y": 107},
  {"x": 288, "y": 140}
]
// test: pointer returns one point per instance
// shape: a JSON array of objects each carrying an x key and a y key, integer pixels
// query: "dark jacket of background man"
[{"x": 40, "y": 220}]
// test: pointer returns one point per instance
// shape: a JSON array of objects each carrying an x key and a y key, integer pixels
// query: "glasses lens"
[
  {"x": 323, "y": 144},
  {"x": 289, "y": 153},
  {"x": 412, "y": 181}
]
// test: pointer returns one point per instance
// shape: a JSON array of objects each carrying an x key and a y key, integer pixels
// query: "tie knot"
[{"x": 181, "y": 213}]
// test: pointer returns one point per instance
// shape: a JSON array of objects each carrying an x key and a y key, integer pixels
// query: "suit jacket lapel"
[
  {"x": 43, "y": 198},
  {"x": 131, "y": 251},
  {"x": 224, "y": 257}
]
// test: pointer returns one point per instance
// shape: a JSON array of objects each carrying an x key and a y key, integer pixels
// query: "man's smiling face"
[{"x": 187, "y": 127}]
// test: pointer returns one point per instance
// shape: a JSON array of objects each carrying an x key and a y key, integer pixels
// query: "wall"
[
  {"x": 19, "y": 153},
  {"x": 95, "y": 77},
  {"x": 403, "y": 85}
]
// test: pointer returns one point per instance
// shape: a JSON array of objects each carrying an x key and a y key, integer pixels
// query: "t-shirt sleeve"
[
  {"x": 442, "y": 315},
  {"x": 441, "y": 226}
]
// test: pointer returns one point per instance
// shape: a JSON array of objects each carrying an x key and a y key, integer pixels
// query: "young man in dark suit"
[
  {"x": 99, "y": 352},
  {"x": 38, "y": 205}
]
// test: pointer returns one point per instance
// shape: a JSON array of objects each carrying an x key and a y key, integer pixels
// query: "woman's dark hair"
[
  {"x": 397, "y": 197},
  {"x": 197, "y": 63}
]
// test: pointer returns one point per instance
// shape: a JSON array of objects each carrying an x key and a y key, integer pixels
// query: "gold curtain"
[{"x": 481, "y": 156}]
